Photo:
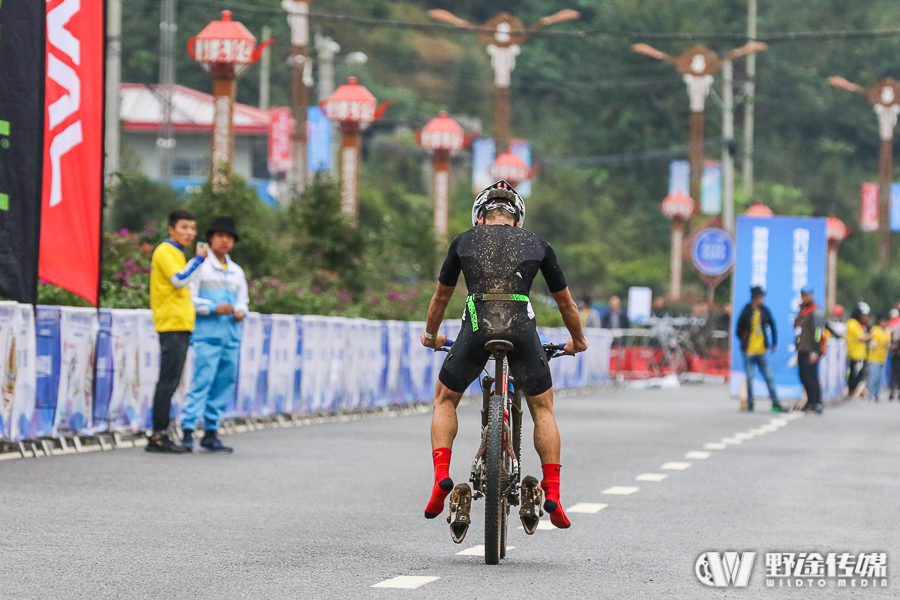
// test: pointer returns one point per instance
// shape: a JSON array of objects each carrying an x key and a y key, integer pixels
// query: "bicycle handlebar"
[{"x": 552, "y": 350}]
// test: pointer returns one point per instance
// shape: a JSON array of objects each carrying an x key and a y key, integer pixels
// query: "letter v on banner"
[{"x": 73, "y": 147}]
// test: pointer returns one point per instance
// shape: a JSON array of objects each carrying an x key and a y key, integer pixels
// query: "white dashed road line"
[
  {"x": 715, "y": 446},
  {"x": 676, "y": 466},
  {"x": 407, "y": 582},
  {"x": 743, "y": 435},
  {"x": 698, "y": 454},
  {"x": 651, "y": 476},
  {"x": 588, "y": 508},
  {"x": 620, "y": 490},
  {"x": 478, "y": 550},
  {"x": 731, "y": 441}
]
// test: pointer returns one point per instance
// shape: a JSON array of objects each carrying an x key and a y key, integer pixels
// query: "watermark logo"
[
  {"x": 724, "y": 569},
  {"x": 814, "y": 569}
]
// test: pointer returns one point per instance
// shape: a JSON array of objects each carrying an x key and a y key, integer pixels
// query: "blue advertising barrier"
[
  {"x": 82, "y": 371},
  {"x": 781, "y": 255}
]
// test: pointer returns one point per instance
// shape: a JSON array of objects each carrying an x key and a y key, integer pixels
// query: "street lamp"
[
  {"x": 678, "y": 208},
  {"x": 835, "y": 232},
  {"x": 697, "y": 67},
  {"x": 885, "y": 97},
  {"x": 353, "y": 107},
  {"x": 224, "y": 49},
  {"x": 502, "y": 35},
  {"x": 301, "y": 81},
  {"x": 441, "y": 136}
]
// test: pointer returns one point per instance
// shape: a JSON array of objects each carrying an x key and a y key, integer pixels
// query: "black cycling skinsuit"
[{"x": 504, "y": 260}]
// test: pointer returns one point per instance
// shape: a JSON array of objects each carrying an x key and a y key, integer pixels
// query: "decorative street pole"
[
  {"x": 885, "y": 97},
  {"x": 301, "y": 81},
  {"x": 510, "y": 168},
  {"x": 353, "y": 107},
  {"x": 835, "y": 232},
  {"x": 679, "y": 209},
  {"x": 697, "y": 66},
  {"x": 441, "y": 136},
  {"x": 224, "y": 49},
  {"x": 502, "y": 35}
]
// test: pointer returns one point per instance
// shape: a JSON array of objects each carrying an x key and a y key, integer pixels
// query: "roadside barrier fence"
[{"x": 79, "y": 372}]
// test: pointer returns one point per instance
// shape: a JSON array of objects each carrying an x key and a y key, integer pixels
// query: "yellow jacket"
[
  {"x": 881, "y": 341},
  {"x": 856, "y": 347},
  {"x": 170, "y": 297}
]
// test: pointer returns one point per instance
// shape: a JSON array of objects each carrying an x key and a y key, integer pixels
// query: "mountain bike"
[{"x": 496, "y": 468}]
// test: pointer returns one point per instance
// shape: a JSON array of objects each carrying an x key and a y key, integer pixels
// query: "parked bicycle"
[{"x": 496, "y": 469}]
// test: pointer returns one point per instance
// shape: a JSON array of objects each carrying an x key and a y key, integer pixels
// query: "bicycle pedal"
[
  {"x": 460, "y": 509},
  {"x": 530, "y": 512}
]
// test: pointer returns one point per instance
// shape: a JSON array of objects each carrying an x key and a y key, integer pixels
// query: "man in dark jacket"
[
  {"x": 811, "y": 323},
  {"x": 752, "y": 328}
]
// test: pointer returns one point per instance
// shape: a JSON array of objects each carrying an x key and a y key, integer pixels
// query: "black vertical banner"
[{"x": 22, "y": 55}]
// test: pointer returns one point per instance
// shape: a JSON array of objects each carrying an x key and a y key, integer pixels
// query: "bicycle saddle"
[{"x": 495, "y": 345}]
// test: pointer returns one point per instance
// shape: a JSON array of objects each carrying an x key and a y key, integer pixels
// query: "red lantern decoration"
[
  {"x": 442, "y": 133},
  {"x": 511, "y": 168},
  {"x": 441, "y": 136},
  {"x": 835, "y": 230},
  {"x": 759, "y": 210},
  {"x": 678, "y": 206}
]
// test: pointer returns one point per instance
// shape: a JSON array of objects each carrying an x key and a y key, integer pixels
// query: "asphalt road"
[{"x": 330, "y": 510}]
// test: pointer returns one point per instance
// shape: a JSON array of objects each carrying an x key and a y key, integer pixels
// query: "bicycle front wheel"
[{"x": 495, "y": 484}]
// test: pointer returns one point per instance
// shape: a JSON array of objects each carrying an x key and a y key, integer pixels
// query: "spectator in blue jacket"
[{"x": 219, "y": 294}]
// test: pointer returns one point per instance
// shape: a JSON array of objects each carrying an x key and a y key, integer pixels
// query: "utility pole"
[
  {"x": 301, "y": 81},
  {"x": 728, "y": 141},
  {"x": 265, "y": 64},
  {"x": 749, "y": 100},
  {"x": 885, "y": 97},
  {"x": 502, "y": 35},
  {"x": 697, "y": 66},
  {"x": 166, "y": 139},
  {"x": 113, "y": 81}
]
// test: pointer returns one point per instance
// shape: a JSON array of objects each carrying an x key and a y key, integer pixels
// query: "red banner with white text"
[{"x": 73, "y": 147}]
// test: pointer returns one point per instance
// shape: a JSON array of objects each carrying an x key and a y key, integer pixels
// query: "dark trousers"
[
  {"x": 895, "y": 371},
  {"x": 173, "y": 347},
  {"x": 855, "y": 375},
  {"x": 809, "y": 377}
]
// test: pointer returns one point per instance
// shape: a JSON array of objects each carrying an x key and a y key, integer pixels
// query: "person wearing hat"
[
  {"x": 752, "y": 329},
  {"x": 220, "y": 298},
  {"x": 811, "y": 326}
]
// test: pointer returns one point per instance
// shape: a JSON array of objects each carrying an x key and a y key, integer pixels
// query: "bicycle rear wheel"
[{"x": 496, "y": 481}]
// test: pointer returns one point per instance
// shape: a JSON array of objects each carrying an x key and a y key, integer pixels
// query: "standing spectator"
[
  {"x": 752, "y": 329},
  {"x": 219, "y": 293},
  {"x": 836, "y": 324},
  {"x": 895, "y": 352},
  {"x": 811, "y": 323},
  {"x": 878, "y": 351},
  {"x": 615, "y": 317},
  {"x": 590, "y": 316},
  {"x": 173, "y": 318},
  {"x": 856, "y": 346}
]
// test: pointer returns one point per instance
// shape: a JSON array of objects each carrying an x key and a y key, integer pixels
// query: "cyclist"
[{"x": 499, "y": 260}]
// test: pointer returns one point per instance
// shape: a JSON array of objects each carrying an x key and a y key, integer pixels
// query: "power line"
[{"x": 772, "y": 38}]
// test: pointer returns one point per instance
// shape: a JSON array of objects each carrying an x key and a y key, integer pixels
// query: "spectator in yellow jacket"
[
  {"x": 173, "y": 317},
  {"x": 878, "y": 353},
  {"x": 857, "y": 339}
]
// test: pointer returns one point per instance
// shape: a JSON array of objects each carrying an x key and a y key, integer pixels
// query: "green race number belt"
[{"x": 473, "y": 298}]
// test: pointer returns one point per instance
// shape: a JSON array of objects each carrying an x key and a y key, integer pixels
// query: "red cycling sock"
[
  {"x": 443, "y": 485},
  {"x": 550, "y": 485}
]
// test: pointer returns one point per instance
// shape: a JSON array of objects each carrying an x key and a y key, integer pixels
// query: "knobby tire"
[{"x": 495, "y": 484}]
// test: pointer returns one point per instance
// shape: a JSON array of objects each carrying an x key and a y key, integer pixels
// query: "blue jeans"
[
  {"x": 876, "y": 379},
  {"x": 761, "y": 361}
]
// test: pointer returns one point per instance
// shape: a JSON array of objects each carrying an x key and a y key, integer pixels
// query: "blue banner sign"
[{"x": 782, "y": 255}]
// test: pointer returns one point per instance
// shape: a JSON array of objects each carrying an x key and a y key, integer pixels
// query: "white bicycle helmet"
[
  {"x": 499, "y": 195},
  {"x": 864, "y": 308}
]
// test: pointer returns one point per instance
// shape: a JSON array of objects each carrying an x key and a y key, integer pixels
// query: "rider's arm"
[
  {"x": 436, "y": 310},
  {"x": 569, "y": 311}
]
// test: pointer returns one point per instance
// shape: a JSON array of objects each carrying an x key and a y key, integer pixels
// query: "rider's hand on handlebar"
[
  {"x": 435, "y": 343},
  {"x": 574, "y": 348}
]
